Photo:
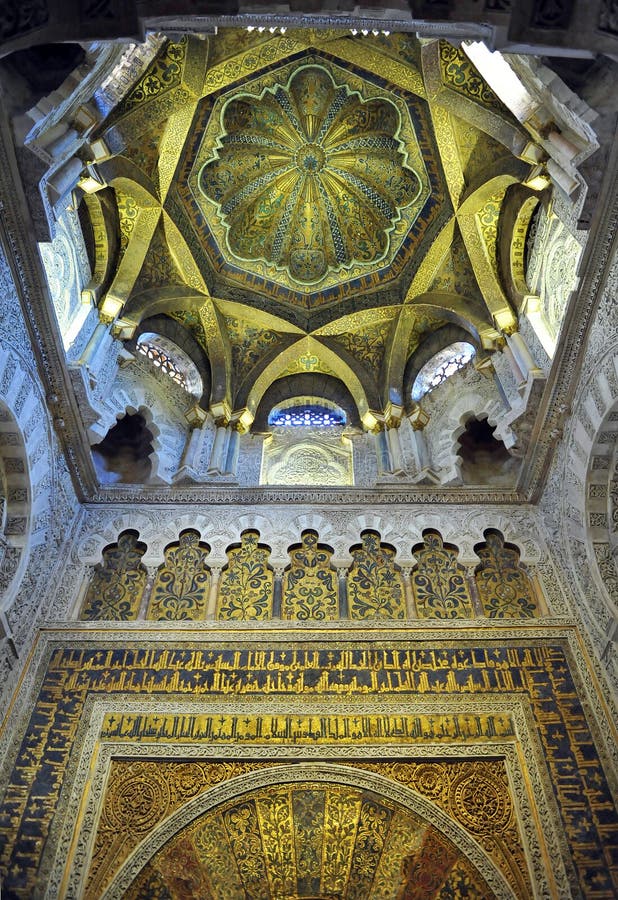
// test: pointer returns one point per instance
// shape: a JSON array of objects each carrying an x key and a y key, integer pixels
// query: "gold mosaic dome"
[
  {"x": 311, "y": 204},
  {"x": 310, "y": 177}
]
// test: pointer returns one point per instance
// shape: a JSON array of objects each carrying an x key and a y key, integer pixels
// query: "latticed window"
[
  {"x": 163, "y": 362},
  {"x": 441, "y": 366},
  {"x": 168, "y": 357},
  {"x": 314, "y": 415}
]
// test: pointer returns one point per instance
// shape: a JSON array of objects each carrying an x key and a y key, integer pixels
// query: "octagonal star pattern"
[{"x": 310, "y": 177}]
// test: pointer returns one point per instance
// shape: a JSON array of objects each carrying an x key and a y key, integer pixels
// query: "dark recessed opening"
[
  {"x": 484, "y": 457},
  {"x": 123, "y": 454},
  {"x": 46, "y": 66}
]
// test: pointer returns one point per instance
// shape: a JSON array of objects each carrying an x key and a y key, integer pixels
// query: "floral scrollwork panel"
[
  {"x": 310, "y": 587},
  {"x": 312, "y": 841},
  {"x": 374, "y": 582},
  {"x": 182, "y": 583},
  {"x": 504, "y": 587},
  {"x": 246, "y": 583},
  {"x": 117, "y": 584},
  {"x": 439, "y": 582}
]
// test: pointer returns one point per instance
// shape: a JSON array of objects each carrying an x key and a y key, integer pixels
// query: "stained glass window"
[
  {"x": 441, "y": 366},
  {"x": 308, "y": 415}
]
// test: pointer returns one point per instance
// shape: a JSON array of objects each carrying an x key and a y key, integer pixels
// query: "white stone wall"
[
  {"x": 579, "y": 502},
  {"x": 39, "y": 478}
]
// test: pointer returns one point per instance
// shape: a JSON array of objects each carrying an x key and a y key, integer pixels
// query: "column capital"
[{"x": 418, "y": 417}]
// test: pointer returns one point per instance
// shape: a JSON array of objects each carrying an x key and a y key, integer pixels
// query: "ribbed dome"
[{"x": 310, "y": 176}]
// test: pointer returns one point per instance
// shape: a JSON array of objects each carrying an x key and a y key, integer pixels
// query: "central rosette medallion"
[
  {"x": 311, "y": 158},
  {"x": 309, "y": 177}
]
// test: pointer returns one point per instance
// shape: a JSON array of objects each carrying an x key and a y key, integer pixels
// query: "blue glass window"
[{"x": 314, "y": 416}]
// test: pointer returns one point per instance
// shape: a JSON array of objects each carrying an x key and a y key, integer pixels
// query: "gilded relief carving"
[
  {"x": 439, "y": 583},
  {"x": 367, "y": 345},
  {"x": 374, "y": 582},
  {"x": 117, "y": 584},
  {"x": 182, "y": 583},
  {"x": 334, "y": 200},
  {"x": 310, "y": 587},
  {"x": 308, "y": 836},
  {"x": 164, "y": 74},
  {"x": 476, "y": 794},
  {"x": 459, "y": 74},
  {"x": 141, "y": 794},
  {"x": 309, "y": 457},
  {"x": 485, "y": 670},
  {"x": 503, "y": 584},
  {"x": 248, "y": 344},
  {"x": 246, "y": 584},
  {"x": 309, "y": 840}
]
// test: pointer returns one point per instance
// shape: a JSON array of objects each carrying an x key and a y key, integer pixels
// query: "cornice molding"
[{"x": 325, "y": 496}]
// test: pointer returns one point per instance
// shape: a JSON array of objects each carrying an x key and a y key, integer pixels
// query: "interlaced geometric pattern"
[
  {"x": 163, "y": 361},
  {"x": 442, "y": 366},
  {"x": 308, "y": 416}
]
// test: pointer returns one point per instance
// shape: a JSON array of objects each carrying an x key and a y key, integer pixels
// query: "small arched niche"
[{"x": 124, "y": 454}]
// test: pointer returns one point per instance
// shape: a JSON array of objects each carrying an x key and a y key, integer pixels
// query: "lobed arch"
[
  {"x": 469, "y": 405},
  {"x": 220, "y": 537},
  {"x": 147, "y": 414}
]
